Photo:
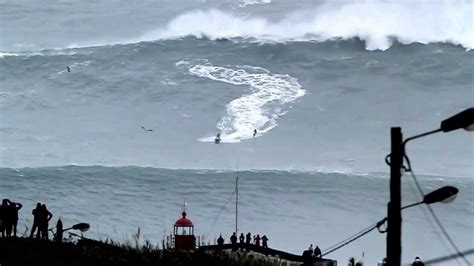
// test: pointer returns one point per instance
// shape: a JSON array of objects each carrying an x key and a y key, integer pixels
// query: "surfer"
[
  {"x": 254, "y": 132},
  {"x": 147, "y": 130},
  {"x": 68, "y": 69},
  {"x": 217, "y": 140}
]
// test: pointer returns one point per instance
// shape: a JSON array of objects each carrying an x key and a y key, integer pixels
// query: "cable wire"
[
  {"x": 220, "y": 211},
  {"x": 438, "y": 222},
  {"x": 353, "y": 238},
  {"x": 450, "y": 257}
]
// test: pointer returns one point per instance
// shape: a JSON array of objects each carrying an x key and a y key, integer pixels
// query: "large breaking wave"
[{"x": 377, "y": 23}]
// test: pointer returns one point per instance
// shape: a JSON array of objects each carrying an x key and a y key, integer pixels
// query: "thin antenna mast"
[{"x": 237, "y": 197}]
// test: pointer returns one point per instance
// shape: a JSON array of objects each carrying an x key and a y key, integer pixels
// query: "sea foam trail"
[
  {"x": 244, "y": 3},
  {"x": 375, "y": 22},
  {"x": 269, "y": 99}
]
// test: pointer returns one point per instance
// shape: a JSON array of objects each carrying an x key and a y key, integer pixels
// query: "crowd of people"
[
  {"x": 245, "y": 240},
  {"x": 9, "y": 219},
  {"x": 311, "y": 254}
]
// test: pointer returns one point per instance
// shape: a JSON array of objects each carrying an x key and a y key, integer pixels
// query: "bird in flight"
[{"x": 148, "y": 130}]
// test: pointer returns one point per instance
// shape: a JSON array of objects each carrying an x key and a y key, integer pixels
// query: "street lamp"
[
  {"x": 464, "y": 119},
  {"x": 83, "y": 227},
  {"x": 445, "y": 194}
]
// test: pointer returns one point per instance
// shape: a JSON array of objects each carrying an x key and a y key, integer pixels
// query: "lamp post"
[
  {"x": 83, "y": 227},
  {"x": 464, "y": 119}
]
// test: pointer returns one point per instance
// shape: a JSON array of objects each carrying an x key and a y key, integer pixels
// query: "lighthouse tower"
[{"x": 184, "y": 238}]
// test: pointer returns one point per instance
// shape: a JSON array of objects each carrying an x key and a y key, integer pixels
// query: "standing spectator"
[
  {"x": 4, "y": 217},
  {"x": 257, "y": 240},
  {"x": 418, "y": 262},
  {"x": 36, "y": 220},
  {"x": 233, "y": 241},
  {"x": 15, "y": 207},
  {"x": 8, "y": 217},
  {"x": 264, "y": 241},
  {"x": 241, "y": 240},
  {"x": 317, "y": 252},
  {"x": 45, "y": 216},
  {"x": 220, "y": 241},
  {"x": 248, "y": 238}
]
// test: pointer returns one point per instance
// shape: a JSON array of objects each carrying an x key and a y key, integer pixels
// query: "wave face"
[
  {"x": 377, "y": 23},
  {"x": 316, "y": 106}
]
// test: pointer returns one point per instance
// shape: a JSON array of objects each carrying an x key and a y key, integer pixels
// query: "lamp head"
[
  {"x": 83, "y": 227},
  {"x": 464, "y": 119},
  {"x": 445, "y": 194}
]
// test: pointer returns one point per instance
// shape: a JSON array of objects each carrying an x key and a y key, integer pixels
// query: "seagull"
[{"x": 148, "y": 130}]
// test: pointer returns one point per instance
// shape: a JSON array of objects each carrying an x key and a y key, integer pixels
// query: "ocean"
[{"x": 125, "y": 136}]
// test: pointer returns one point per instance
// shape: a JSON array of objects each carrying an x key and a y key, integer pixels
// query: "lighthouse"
[{"x": 183, "y": 233}]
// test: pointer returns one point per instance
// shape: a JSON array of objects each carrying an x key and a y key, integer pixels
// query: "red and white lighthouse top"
[{"x": 183, "y": 222}]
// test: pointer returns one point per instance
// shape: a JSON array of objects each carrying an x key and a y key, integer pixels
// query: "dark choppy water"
[{"x": 322, "y": 82}]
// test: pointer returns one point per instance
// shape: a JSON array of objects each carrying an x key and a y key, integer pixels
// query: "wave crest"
[{"x": 377, "y": 23}]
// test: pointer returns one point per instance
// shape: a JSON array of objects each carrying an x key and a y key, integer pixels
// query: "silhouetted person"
[
  {"x": 257, "y": 240},
  {"x": 308, "y": 257},
  {"x": 36, "y": 220},
  {"x": 233, "y": 241},
  {"x": 4, "y": 209},
  {"x": 418, "y": 262},
  {"x": 8, "y": 217},
  {"x": 254, "y": 132},
  {"x": 311, "y": 249},
  {"x": 264, "y": 241},
  {"x": 59, "y": 231},
  {"x": 15, "y": 207},
  {"x": 68, "y": 69},
  {"x": 45, "y": 216},
  {"x": 317, "y": 252},
  {"x": 248, "y": 238},
  {"x": 241, "y": 240},
  {"x": 220, "y": 241},
  {"x": 351, "y": 261},
  {"x": 1, "y": 220},
  {"x": 383, "y": 262},
  {"x": 217, "y": 140}
]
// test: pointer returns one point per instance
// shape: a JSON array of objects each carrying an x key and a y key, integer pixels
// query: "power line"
[
  {"x": 353, "y": 238},
  {"x": 450, "y": 257},
  {"x": 433, "y": 214},
  {"x": 220, "y": 211}
]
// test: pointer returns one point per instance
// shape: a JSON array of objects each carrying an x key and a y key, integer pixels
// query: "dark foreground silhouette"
[{"x": 28, "y": 251}]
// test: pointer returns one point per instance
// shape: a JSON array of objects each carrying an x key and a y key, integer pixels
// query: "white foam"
[
  {"x": 243, "y": 3},
  {"x": 2, "y": 55},
  {"x": 270, "y": 95},
  {"x": 375, "y": 22}
]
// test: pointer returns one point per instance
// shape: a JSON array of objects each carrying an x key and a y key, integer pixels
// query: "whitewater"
[{"x": 322, "y": 82}]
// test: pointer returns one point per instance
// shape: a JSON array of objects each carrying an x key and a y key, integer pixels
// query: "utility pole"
[{"x": 394, "y": 214}]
